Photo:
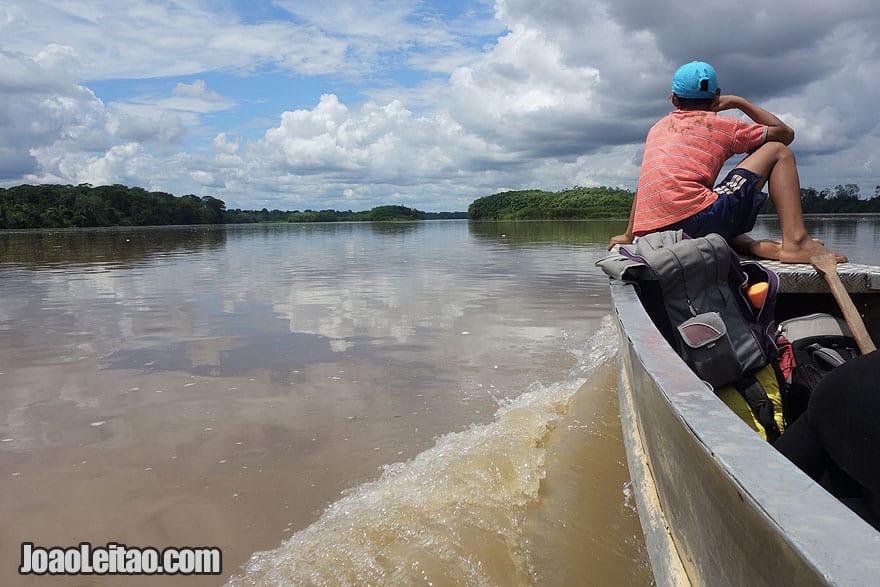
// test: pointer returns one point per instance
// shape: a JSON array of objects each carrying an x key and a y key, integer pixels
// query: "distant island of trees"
[
  {"x": 604, "y": 202},
  {"x": 63, "y": 206},
  {"x": 576, "y": 203}
]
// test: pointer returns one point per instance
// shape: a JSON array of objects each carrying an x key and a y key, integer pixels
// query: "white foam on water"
[{"x": 453, "y": 515}]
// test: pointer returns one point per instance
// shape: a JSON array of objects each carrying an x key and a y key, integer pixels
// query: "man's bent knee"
[
  {"x": 764, "y": 158},
  {"x": 773, "y": 149}
]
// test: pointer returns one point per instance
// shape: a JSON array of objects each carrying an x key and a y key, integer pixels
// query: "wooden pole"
[{"x": 827, "y": 266}]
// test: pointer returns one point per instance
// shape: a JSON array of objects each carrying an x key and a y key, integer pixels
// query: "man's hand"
[{"x": 620, "y": 239}]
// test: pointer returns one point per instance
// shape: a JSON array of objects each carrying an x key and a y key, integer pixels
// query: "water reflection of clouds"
[
  {"x": 383, "y": 306},
  {"x": 228, "y": 356},
  {"x": 352, "y": 282},
  {"x": 349, "y": 287}
]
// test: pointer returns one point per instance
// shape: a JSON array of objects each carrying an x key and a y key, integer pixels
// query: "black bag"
[{"x": 820, "y": 343}]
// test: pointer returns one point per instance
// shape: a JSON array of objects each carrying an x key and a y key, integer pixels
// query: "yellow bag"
[{"x": 734, "y": 400}]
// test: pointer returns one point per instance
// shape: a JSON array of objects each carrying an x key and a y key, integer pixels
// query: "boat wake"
[{"x": 452, "y": 515}]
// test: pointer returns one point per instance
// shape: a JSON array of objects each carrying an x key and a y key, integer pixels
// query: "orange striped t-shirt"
[{"x": 684, "y": 153}]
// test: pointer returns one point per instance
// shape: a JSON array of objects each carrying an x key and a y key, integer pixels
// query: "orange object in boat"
[{"x": 757, "y": 294}]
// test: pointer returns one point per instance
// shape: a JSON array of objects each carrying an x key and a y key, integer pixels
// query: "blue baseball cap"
[{"x": 696, "y": 79}]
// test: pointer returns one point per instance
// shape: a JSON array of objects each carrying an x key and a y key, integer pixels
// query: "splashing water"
[{"x": 453, "y": 515}]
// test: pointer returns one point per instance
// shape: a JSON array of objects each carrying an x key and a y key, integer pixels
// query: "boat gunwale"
[{"x": 828, "y": 539}]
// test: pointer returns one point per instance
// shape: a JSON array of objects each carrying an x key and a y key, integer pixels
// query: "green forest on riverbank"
[
  {"x": 63, "y": 206},
  {"x": 604, "y": 202},
  {"x": 577, "y": 203}
]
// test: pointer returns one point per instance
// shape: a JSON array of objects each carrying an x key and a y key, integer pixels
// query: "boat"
[{"x": 719, "y": 505}]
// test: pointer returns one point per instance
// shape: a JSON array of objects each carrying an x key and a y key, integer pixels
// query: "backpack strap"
[
  {"x": 761, "y": 405},
  {"x": 830, "y": 356}
]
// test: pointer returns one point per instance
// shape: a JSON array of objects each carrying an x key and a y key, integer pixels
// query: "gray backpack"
[{"x": 692, "y": 289}]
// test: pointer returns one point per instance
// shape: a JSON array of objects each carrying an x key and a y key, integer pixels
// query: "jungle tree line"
[
  {"x": 842, "y": 199},
  {"x": 604, "y": 202},
  {"x": 62, "y": 206},
  {"x": 576, "y": 203},
  {"x": 65, "y": 206}
]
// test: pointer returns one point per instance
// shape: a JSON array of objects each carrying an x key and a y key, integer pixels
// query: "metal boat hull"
[{"x": 719, "y": 506}]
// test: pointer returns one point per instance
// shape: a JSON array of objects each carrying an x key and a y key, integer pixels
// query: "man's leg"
[
  {"x": 762, "y": 249},
  {"x": 776, "y": 161}
]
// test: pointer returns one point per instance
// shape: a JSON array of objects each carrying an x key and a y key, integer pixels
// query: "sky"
[{"x": 351, "y": 104}]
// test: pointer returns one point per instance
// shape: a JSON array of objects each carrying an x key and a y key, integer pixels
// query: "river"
[{"x": 355, "y": 403}]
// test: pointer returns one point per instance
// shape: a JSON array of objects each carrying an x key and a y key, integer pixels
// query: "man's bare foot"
[
  {"x": 773, "y": 249},
  {"x": 792, "y": 253}
]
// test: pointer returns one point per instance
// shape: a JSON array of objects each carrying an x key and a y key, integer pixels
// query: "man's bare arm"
[
  {"x": 627, "y": 237},
  {"x": 776, "y": 129}
]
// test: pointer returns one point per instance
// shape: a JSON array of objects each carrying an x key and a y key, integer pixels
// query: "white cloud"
[
  {"x": 60, "y": 61},
  {"x": 376, "y": 151},
  {"x": 358, "y": 18},
  {"x": 195, "y": 97},
  {"x": 148, "y": 39},
  {"x": 148, "y": 124},
  {"x": 40, "y": 110},
  {"x": 20, "y": 74},
  {"x": 59, "y": 131},
  {"x": 10, "y": 15},
  {"x": 522, "y": 90},
  {"x": 223, "y": 146},
  {"x": 119, "y": 163}
]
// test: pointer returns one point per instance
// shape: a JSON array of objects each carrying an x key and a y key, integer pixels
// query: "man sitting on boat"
[{"x": 685, "y": 151}]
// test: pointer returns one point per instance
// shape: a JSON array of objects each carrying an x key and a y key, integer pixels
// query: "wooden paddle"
[{"x": 827, "y": 266}]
